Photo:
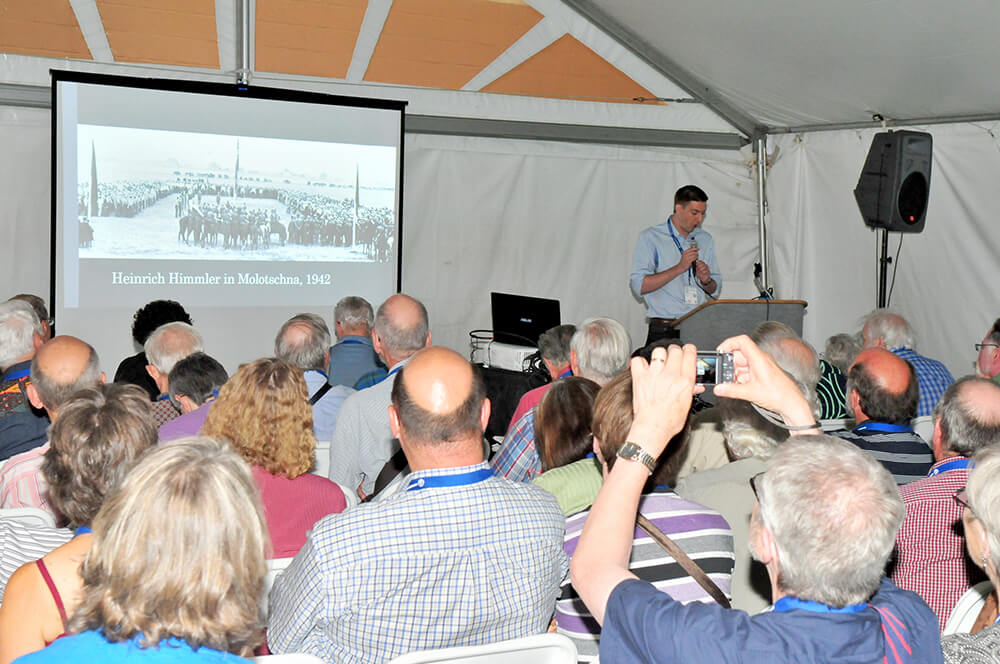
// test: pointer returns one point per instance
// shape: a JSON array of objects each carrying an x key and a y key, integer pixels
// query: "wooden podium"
[{"x": 709, "y": 324}]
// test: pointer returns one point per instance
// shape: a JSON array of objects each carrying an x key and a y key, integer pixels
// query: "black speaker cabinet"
[{"x": 893, "y": 187}]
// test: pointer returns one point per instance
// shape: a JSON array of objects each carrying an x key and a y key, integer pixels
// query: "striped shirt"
[
  {"x": 903, "y": 453},
  {"x": 699, "y": 531},
  {"x": 831, "y": 392},
  {"x": 21, "y": 481},
  {"x": 21, "y": 544}
]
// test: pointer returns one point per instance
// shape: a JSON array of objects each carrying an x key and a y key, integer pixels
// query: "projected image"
[{"x": 154, "y": 194}]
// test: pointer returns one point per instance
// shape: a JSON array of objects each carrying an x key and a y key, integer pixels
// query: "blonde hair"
[
  {"x": 264, "y": 411},
  {"x": 179, "y": 551}
]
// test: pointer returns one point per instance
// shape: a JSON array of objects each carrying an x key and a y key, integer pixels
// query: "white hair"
[
  {"x": 18, "y": 325},
  {"x": 171, "y": 343},
  {"x": 602, "y": 348},
  {"x": 891, "y": 327},
  {"x": 834, "y": 512},
  {"x": 983, "y": 488}
]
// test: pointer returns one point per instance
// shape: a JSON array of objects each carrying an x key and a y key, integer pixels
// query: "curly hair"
[
  {"x": 155, "y": 314},
  {"x": 98, "y": 436},
  {"x": 179, "y": 551},
  {"x": 264, "y": 411}
]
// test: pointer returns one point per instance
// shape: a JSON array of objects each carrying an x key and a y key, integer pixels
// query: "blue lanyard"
[
  {"x": 677, "y": 242},
  {"x": 82, "y": 530},
  {"x": 954, "y": 464},
  {"x": 17, "y": 375},
  {"x": 163, "y": 397},
  {"x": 351, "y": 341},
  {"x": 566, "y": 374},
  {"x": 794, "y": 603},
  {"x": 438, "y": 481},
  {"x": 884, "y": 427},
  {"x": 394, "y": 370}
]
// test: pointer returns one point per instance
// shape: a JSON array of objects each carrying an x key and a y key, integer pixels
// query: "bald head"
[
  {"x": 401, "y": 328},
  {"x": 885, "y": 385},
  {"x": 304, "y": 340},
  {"x": 438, "y": 398},
  {"x": 968, "y": 416},
  {"x": 62, "y": 366}
]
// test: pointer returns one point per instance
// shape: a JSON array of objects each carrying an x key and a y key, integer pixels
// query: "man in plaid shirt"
[
  {"x": 454, "y": 557},
  {"x": 930, "y": 553}
]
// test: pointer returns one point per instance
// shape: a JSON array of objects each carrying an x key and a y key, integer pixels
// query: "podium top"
[{"x": 713, "y": 303}]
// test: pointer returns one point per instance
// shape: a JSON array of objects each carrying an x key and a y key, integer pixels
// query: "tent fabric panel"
[
  {"x": 307, "y": 37},
  {"x": 823, "y": 252},
  {"x": 568, "y": 69},
  {"x": 48, "y": 29},
  {"x": 445, "y": 43},
  {"x": 181, "y": 33}
]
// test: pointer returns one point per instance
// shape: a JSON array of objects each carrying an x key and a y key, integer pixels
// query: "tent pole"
[{"x": 761, "y": 145}]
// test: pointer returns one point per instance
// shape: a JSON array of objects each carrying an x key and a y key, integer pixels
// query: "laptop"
[{"x": 520, "y": 320}]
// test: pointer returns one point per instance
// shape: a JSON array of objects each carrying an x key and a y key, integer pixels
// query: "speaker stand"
[{"x": 883, "y": 269}]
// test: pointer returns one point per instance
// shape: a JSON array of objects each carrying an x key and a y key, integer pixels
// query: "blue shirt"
[
  {"x": 93, "y": 647},
  {"x": 350, "y": 358},
  {"x": 325, "y": 410},
  {"x": 518, "y": 458},
  {"x": 933, "y": 378},
  {"x": 642, "y": 624},
  {"x": 655, "y": 251},
  {"x": 437, "y": 567}
]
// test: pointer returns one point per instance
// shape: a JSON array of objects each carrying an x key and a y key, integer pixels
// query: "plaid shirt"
[
  {"x": 518, "y": 459},
  {"x": 933, "y": 379},
  {"x": 930, "y": 555},
  {"x": 433, "y": 568}
]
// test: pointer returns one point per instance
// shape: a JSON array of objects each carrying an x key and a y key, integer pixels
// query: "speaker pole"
[{"x": 883, "y": 268}]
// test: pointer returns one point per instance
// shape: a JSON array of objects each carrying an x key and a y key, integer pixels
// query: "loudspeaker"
[{"x": 895, "y": 181}]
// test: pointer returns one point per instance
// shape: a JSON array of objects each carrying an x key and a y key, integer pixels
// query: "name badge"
[{"x": 690, "y": 295}]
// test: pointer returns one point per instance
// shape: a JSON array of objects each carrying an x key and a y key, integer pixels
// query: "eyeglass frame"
[
  {"x": 980, "y": 347},
  {"x": 962, "y": 501}
]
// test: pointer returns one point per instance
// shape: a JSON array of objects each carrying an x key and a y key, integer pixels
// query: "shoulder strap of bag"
[
  {"x": 690, "y": 566},
  {"x": 326, "y": 387}
]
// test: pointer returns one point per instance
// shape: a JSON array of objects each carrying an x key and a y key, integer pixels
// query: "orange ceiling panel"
[
  {"x": 48, "y": 29},
  {"x": 568, "y": 70},
  {"x": 179, "y": 32},
  {"x": 308, "y": 37},
  {"x": 445, "y": 43}
]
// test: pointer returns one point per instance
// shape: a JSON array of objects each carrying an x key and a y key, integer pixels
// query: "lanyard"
[
  {"x": 884, "y": 427},
  {"x": 81, "y": 530},
  {"x": 163, "y": 397},
  {"x": 566, "y": 374},
  {"x": 17, "y": 375},
  {"x": 351, "y": 341},
  {"x": 954, "y": 464},
  {"x": 394, "y": 370},
  {"x": 438, "y": 481},
  {"x": 794, "y": 603},
  {"x": 677, "y": 243}
]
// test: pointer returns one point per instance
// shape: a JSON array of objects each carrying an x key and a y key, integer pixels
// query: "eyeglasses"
[
  {"x": 979, "y": 347},
  {"x": 753, "y": 485},
  {"x": 962, "y": 499}
]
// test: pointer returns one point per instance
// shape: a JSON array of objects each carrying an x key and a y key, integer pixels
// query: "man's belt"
[{"x": 662, "y": 321}]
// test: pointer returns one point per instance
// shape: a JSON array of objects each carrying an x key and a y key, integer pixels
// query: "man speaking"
[{"x": 674, "y": 268}]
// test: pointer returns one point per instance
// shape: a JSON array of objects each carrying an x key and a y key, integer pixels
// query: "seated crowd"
[{"x": 815, "y": 509}]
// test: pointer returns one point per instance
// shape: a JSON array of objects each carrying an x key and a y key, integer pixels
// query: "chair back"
[
  {"x": 275, "y": 567},
  {"x": 967, "y": 609},
  {"x": 288, "y": 658},
  {"x": 536, "y": 649},
  {"x": 924, "y": 427}
]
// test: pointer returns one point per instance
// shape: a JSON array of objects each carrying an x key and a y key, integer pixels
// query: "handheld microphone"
[{"x": 692, "y": 244}]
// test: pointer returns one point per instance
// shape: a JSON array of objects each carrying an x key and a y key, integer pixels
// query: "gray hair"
[
  {"x": 772, "y": 330},
  {"x": 54, "y": 394},
  {"x": 402, "y": 340},
  {"x": 306, "y": 351},
  {"x": 171, "y": 343},
  {"x": 966, "y": 428},
  {"x": 354, "y": 312},
  {"x": 841, "y": 349},
  {"x": 602, "y": 347},
  {"x": 891, "y": 327},
  {"x": 37, "y": 304},
  {"x": 553, "y": 344},
  {"x": 983, "y": 490},
  {"x": 834, "y": 512},
  {"x": 18, "y": 325}
]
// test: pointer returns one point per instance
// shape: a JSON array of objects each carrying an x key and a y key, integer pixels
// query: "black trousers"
[{"x": 660, "y": 329}]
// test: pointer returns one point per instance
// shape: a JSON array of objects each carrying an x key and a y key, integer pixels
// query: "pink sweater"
[{"x": 291, "y": 507}]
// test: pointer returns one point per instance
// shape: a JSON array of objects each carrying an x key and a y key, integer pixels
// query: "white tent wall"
[{"x": 822, "y": 252}]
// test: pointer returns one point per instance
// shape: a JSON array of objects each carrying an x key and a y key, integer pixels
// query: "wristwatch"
[{"x": 632, "y": 452}]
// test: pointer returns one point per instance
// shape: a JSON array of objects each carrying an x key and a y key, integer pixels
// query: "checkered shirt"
[
  {"x": 930, "y": 554},
  {"x": 518, "y": 459},
  {"x": 933, "y": 379},
  {"x": 21, "y": 481},
  {"x": 434, "y": 568}
]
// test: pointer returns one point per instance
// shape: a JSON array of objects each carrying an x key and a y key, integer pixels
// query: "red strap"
[{"x": 52, "y": 591}]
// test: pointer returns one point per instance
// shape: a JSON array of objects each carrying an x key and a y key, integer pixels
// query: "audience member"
[
  {"x": 988, "y": 358},
  {"x": 457, "y": 557},
  {"x": 362, "y": 442},
  {"x": 841, "y": 349},
  {"x": 930, "y": 554},
  {"x": 61, "y": 367},
  {"x": 700, "y": 532},
  {"x": 304, "y": 340},
  {"x": 21, "y": 334},
  {"x": 884, "y": 329},
  {"x": 194, "y": 383},
  {"x": 353, "y": 362},
  {"x": 165, "y": 347},
  {"x": 37, "y": 305},
  {"x": 882, "y": 399},
  {"x": 553, "y": 347},
  {"x": 193, "y": 597},
  {"x": 979, "y": 503},
  {"x": 264, "y": 412},
  {"x": 750, "y": 441},
  {"x": 146, "y": 319},
  {"x": 565, "y": 443},
  {"x": 824, "y": 525},
  {"x": 97, "y": 438},
  {"x": 599, "y": 350}
]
